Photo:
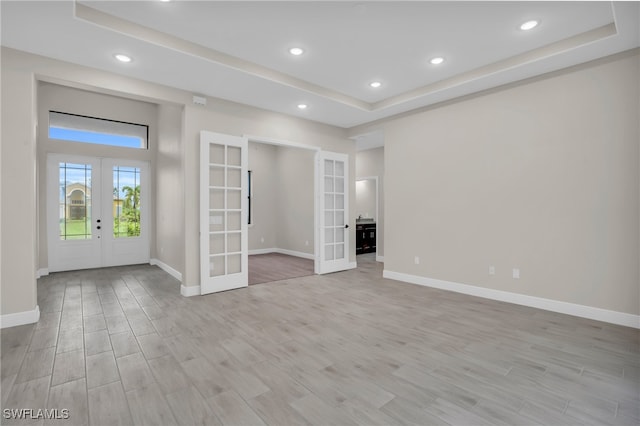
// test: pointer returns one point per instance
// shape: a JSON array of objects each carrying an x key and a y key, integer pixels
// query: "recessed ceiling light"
[
  {"x": 529, "y": 25},
  {"x": 437, "y": 60},
  {"x": 122, "y": 58},
  {"x": 375, "y": 84},
  {"x": 296, "y": 51},
  {"x": 302, "y": 106}
]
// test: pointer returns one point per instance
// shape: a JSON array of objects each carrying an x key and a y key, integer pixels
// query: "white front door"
[
  {"x": 334, "y": 213},
  {"x": 97, "y": 212},
  {"x": 223, "y": 212}
]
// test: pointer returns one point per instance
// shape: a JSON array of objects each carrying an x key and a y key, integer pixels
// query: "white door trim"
[{"x": 375, "y": 179}]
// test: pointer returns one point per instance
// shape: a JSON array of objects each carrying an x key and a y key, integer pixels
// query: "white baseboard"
[
  {"x": 168, "y": 269},
  {"x": 598, "y": 314},
  {"x": 20, "y": 318},
  {"x": 352, "y": 265},
  {"x": 191, "y": 290},
  {"x": 296, "y": 253},
  {"x": 283, "y": 251},
  {"x": 42, "y": 272},
  {"x": 379, "y": 258},
  {"x": 262, "y": 251}
]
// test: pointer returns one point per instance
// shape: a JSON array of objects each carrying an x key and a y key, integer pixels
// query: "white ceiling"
[{"x": 239, "y": 50}]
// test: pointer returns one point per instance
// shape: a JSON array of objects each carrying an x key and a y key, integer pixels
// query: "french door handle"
[{"x": 346, "y": 226}]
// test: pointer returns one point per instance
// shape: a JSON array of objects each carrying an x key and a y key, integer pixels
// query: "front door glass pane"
[
  {"x": 126, "y": 202},
  {"x": 75, "y": 201}
]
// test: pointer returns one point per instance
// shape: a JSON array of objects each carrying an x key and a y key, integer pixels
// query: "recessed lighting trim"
[
  {"x": 529, "y": 25},
  {"x": 303, "y": 106},
  {"x": 375, "y": 84},
  {"x": 296, "y": 51},
  {"x": 437, "y": 60},
  {"x": 122, "y": 57}
]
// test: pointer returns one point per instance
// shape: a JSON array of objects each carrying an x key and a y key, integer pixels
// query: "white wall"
[
  {"x": 366, "y": 194},
  {"x": 169, "y": 248},
  {"x": 295, "y": 204},
  {"x": 262, "y": 163},
  {"x": 18, "y": 233},
  {"x": 370, "y": 162},
  {"x": 543, "y": 177}
]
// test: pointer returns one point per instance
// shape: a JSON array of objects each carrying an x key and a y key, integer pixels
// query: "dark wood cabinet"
[{"x": 365, "y": 238}]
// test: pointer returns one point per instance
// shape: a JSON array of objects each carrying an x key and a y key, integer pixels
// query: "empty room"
[{"x": 439, "y": 203}]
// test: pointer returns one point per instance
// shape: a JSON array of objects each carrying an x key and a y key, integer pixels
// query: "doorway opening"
[
  {"x": 282, "y": 218},
  {"x": 367, "y": 214}
]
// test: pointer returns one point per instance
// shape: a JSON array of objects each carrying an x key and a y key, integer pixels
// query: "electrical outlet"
[
  {"x": 492, "y": 270},
  {"x": 516, "y": 273},
  {"x": 306, "y": 243},
  {"x": 416, "y": 260},
  {"x": 262, "y": 239}
]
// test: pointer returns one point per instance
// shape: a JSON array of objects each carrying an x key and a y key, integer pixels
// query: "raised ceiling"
[{"x": 239, "y": 50}]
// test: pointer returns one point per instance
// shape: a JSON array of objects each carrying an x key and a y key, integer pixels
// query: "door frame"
[
  {"x": 316, "y": 188},
  {"x": 375, "y": 179},
  {"x": 316, "y": 192}
]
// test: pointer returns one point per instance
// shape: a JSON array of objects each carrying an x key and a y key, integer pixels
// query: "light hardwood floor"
[
  {"x": 121, "y": 346},
  {"x": 266, "y": 268}
]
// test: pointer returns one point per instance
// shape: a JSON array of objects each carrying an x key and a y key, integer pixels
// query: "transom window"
[{"x": 91, "y": 130}]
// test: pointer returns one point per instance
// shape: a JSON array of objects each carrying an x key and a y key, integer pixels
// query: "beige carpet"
[{"x": 270, "y": 267}]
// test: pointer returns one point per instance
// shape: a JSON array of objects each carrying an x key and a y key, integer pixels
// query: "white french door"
[
  {"x": 333, "y": 183},
  {"x": 97, "y": 212},
  {"x": 223, "y": 212}
]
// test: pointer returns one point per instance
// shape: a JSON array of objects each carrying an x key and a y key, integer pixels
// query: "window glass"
[{"x": 78, "y": 128}]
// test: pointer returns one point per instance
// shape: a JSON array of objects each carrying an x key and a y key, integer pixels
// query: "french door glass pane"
[
  {"x": 328, "y": 251},
  {"x": 234, "y": 177},
  {"x": 234, "y": 157},
  {"x": 216, "y": 176},
  {"x": 328, "y": 235},
  {"x": 216, "y": 243},
  {"x": 75, "y": 201},
  {"x": 216, "y": 266},
  {"x": 233, "y": 218},
  {"x": 328, "y": 167},
  {"x": 216, "y": 154},
  {"x": 234, "y": 263},
  {"x": 234, "y": 199},
  {"x": 126, "y": 202},
  {"x": 233, "y": 242},
  {"x": 225, "y": 210},
  {"x": 334, "y": 213}
]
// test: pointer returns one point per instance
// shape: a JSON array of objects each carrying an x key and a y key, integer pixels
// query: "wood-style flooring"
[
  {"x": 121, "y": 346},
  {"x": 264, "y": 268}
]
